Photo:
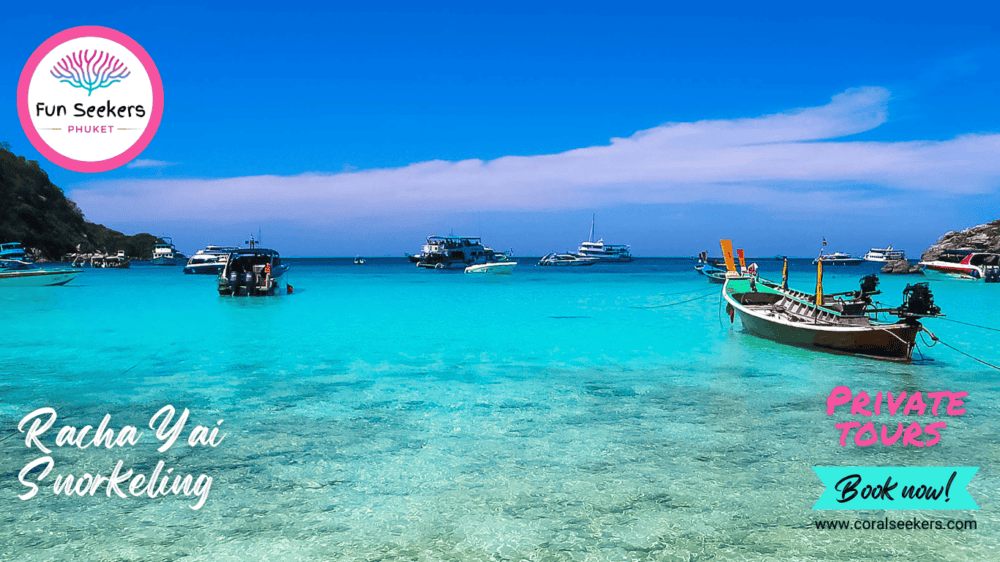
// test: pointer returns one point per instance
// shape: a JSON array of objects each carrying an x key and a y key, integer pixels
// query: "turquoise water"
[{"x": 387, "y": 413}]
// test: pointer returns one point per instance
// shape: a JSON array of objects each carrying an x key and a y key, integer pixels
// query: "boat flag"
[
  {"x": 819, "y": 282},
  {"x": 824, "y": 241},
  {"x": 727, "y": 254},
  {"x": 743, "y": 262},
  {"x": 784, "y": 275}
]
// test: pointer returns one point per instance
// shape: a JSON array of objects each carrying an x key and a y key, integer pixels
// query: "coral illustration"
[{"x": 90, "y": 71}]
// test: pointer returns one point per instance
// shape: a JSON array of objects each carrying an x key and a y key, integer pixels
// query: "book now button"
[{"x": 896, "y": 487}]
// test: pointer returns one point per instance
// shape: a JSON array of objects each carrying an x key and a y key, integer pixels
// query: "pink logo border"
[{"x": 23, "y": 111}]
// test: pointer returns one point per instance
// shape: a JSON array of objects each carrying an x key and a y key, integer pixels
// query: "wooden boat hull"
[
  {"x": 714, "y": 275},
  {"x": 883, "y": 341}
]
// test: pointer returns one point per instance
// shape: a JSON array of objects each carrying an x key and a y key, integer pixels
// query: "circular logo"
[{"x": 90, "y": 99}]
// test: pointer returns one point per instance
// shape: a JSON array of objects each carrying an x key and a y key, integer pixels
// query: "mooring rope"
[
  {"x": 946, "y": 344},
  {"x": 676, "y": 303},
  {"x": 968, "y": 324},
  {"x": 710, "y": 289}
]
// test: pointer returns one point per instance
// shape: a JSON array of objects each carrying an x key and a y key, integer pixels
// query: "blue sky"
[{"x": 341, "y": 129}]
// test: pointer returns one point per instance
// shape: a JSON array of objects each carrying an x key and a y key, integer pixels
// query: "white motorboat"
[
  {"x": 838, "y": 258},
  {"x": 211, "y": 260},
  {"x": 567, "y": 259},
  {"x": 495, "y": 268}
]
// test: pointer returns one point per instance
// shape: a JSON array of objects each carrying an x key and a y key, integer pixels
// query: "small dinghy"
[{"x": 496, "y": 268}]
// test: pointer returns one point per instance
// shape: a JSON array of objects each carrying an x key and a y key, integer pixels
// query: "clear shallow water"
[{"x": 386, "y": 413}]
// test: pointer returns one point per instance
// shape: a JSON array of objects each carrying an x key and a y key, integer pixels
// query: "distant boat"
[
  {"x": 209, "y": 261},
  {"x": 572, "y": 260},
  {"x": 17, "y": 273},
  {"x": 446, "y": 252},
  {"x": 117, "y": 261},
  {"x": 496, "y": 268},
  {"x": 164, "y": 252},
  {"x": 968, "y": 265},
  {"x": 836, "y": 258},
  {"x": 252, "y": 272},
  {"x": 885, "y": 254},
  {"x": 713, "y": 272},
  {"x": 359, "y": 260},
  {"x": 603, "y": 252},
  {"x": 13, "y": 251}
]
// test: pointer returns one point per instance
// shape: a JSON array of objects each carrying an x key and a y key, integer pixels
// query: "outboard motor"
[
  {"x": 249, "y": 282},
  {"x": 992, "y": 274},
  {"x": 234, "y": 283},
  {"x": 869, "y": 284},
  {"x": 918, "y": 301}
]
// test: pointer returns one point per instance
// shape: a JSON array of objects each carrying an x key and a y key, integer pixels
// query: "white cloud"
[
  {"x": 147, "y": 163},
  {"x": 787, "y": 160}
]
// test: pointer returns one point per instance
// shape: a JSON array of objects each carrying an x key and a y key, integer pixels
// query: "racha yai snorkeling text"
[{"x": 37, "y": 424}]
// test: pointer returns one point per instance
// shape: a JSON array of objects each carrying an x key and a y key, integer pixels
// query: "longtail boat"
[
  {"x": 840, "y": 322},
  {"x": 710, "y": 268}
]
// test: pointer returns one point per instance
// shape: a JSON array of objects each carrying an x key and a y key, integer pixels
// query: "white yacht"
[
  {"x": 885, "y": 254},
  {"x": 164, "y": 252},
  {"x": 211, "y": 260},
  {"x": 601, "y": 251},
  {"x": 445, "y": 252}
]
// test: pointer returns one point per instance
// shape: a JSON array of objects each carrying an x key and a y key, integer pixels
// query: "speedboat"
[
  {"x": 567, "y": 259},
  {"x": 968, "y": 265},
  {"x": 164, "y": 252},
  {"x": 17, "y": 273},
  {"x": 253, "y": 272},
  {"x": 601, "y": 251},
  {"x": 839, "y": 322},
  {"x": 359, "y": 260},
  {"x": 885, "y": 254},
  {"x": 496, "y": 268},
  {"x": 838, "y": 258},
  {"x": 211, "y": 260},
  {"x": 446, "y": 252}
]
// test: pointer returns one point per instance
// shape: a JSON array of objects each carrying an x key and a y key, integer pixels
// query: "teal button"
[{"x": 896, "y": 487}]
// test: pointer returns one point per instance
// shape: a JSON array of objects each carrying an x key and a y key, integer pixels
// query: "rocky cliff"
[
  {"x": 36, "y": 213},
  {"x": 985, "y": 237}
]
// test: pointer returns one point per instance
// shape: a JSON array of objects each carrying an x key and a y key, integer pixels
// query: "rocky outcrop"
[
  {"x": 901, "y": 267},
  {"x": 36, "y": 213},
  {"x": 983, "y": 238}
]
